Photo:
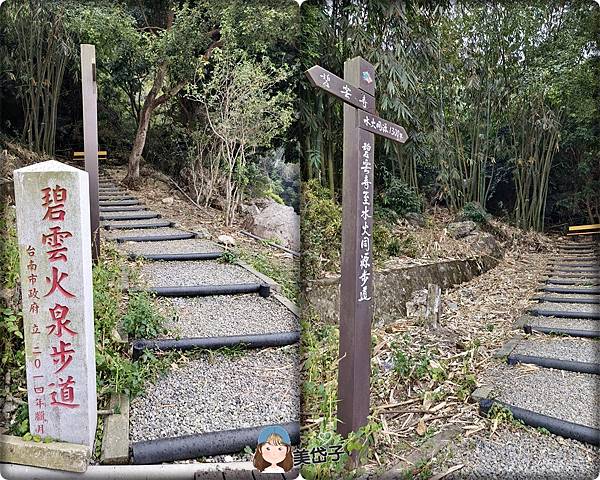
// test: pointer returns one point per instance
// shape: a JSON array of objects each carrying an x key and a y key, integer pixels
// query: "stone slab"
[
  {"x": 54, "y": 236},
  {"x": 115, "y": 442},
  {"x": 69, "y": 457}
]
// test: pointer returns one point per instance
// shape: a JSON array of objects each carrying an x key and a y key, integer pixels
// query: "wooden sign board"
[
  {"x": 321, "y": 78},
  {"x": 382, "y": 127}
]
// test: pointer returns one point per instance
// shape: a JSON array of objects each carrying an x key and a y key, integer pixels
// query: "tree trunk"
[{"x": 133, "y": 168}]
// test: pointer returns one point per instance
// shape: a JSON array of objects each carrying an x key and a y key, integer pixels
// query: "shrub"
[
  {"x": 475, "y": 212},
  {"x": 398, "y": 197},
  {"x": 142, "y": 320},
  {"x": 321, "y": 227}
]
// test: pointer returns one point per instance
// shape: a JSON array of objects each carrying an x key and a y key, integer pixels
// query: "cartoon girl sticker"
[{"x": 274, "y": 451}]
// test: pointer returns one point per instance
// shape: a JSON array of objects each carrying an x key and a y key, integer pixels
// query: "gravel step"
[
  {"x": 123, "y": 208},
  {"x": 225, "y": 315},
  {"x": 595, "y": 274},
  {"x": 573, "y": 349},
  {"x": 136, "y": 224},
  {"x": 568, "y": 310},
  {"x": 178, "y": 274},
  {"x": 173, "y": 246},
  {"x": 573, "y": 281},
  {"x": 579, "y": 289},
  {"x": 522, "y": 454},
  {"x": 129, "y": 215},
  {"x": 569, "y": 298},
  {"x": 568, "y": 396},
  {"x": 119, "y": 203},
  {"x": 220, "y": 392},
  {"x": 579, "y": 327}
]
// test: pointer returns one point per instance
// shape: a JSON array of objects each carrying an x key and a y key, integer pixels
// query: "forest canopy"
[{"x": 161, "y": 67}]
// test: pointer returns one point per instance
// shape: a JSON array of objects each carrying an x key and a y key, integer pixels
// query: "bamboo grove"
[{"x": 500, "y": 101}]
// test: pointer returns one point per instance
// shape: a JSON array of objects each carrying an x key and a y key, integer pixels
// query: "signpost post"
[
  {"x": 89, "y": 94},
  {"x": 357, "y": 91}
]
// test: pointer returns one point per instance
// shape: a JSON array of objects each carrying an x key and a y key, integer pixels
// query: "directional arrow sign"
[
  {"x": 382, "y": 127},
  {"x": 334, "y": 85}
]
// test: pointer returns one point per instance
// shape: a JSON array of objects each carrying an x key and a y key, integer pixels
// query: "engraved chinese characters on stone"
[{"x": 53, "y": 226}]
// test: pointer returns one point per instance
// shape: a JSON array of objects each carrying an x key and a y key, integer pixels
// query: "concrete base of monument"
[
  {"x": 56, "y": 455},
  {"x": 183, "y": 471}
]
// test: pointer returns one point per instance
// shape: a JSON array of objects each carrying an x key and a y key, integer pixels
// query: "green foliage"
[
  {"x": 115, "y": 371},
  {"x": 398, "y": 197},
  {"x": 475, "y": 212},
  {"x": 282, "y": 274},
  {"x": 321, "y": 228},
  {"x": 142, "y": 320},
  {"x": 319, "y": 393},
  {"x": 228, "y": 257},
  {"x": 9, "y": 249},
  {"x": 422, "y": 366}
]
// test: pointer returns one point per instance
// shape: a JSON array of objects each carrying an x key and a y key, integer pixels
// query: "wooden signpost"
[
  {"x": 89, "y": 94},
  {"x": 361, "y": 123}
]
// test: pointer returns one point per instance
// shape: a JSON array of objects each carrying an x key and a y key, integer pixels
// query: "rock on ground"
[
  {"x": 461, "y": 229},
  {"x": 277, "y": 222}
]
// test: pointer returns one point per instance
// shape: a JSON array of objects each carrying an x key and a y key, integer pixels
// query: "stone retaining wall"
[{"x": 395, "y": 286}]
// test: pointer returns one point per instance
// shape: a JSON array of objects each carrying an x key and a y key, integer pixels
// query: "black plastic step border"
[
  {"x": 571, "y": 332},
  {"x": 263, "y": 340},
  {"x": 198, "y": 445},
  {"x": 536, "y": 312},
  {"x": 579, "y": 291},
  {"x": 156, "y": 238},
  {"x": 556, "y": 363},
  {"x": 586, "y": 300},
  {"x": 554, "y": 425},
  {"x": 133, "y": 226},
  {"x": 173, "y": 257},
  {"x": 133, "y": 216},
  {"x": 263, "y": 289},
  {"x": 115, "y": 198}
]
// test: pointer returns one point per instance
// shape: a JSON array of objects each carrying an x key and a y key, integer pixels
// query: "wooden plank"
[
  {"x": 576, "y": 228},
  {"x": 334, "y": 85},
  {"x": 595, "y": 232},
  {"x": 373, "y": 123}
]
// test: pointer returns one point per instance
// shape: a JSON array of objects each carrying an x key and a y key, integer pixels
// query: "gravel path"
[
  {"x": 574, "y": 296},
  {"x": 117, "y": 215},
  {"x": 206, "y": 272},
  {"x": 146, "y": 221},
  {"x": 143, "y": 232},
  {"x": 227, "y": 315},
  {"x": 564, "y": 348},
  {"x": 572, "y": 323},
  {"x": 566, "y": 395},
  {"x": 193, "y": 245},
  {"x": 573, "y": 281},
  {"x": 567, "y": 307},
  {"x": 201, "y": 395},
  {"x": 579, "y": 274},
  {"x": 524, "y": 455}
]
